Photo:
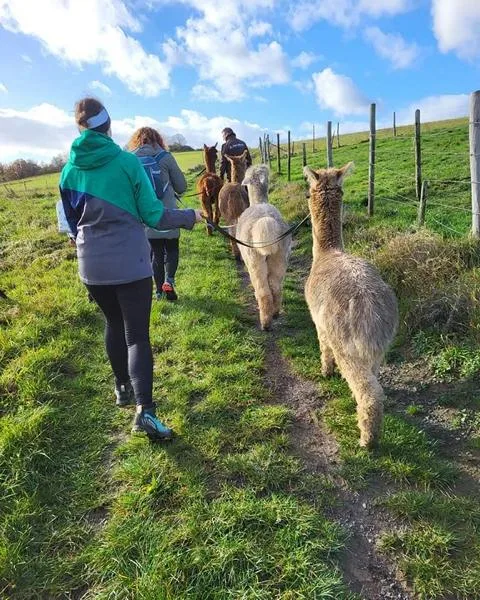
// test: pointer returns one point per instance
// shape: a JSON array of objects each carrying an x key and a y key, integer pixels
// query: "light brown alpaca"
[
  {"x": 266, "y": 265},
  {"x": 354, "y": 310},
  {"x": 233, "y": 199},
  {"x": 209, "y": 186}
]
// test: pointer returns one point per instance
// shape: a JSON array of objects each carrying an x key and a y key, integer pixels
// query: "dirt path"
[{"x": 366, "y": 572}]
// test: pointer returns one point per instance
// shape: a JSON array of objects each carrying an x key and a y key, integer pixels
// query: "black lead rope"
[{"x": 285, "y": 234}]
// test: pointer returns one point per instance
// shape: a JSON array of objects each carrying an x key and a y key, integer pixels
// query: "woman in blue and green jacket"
[{"x": 108, "y": 199}]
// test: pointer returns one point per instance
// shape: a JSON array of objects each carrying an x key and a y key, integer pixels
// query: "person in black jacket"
[{"x": 232, "y": 147}]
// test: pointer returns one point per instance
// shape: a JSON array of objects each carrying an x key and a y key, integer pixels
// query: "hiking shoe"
[
  {"x": 124, "y": 394},
  {"x": 147, "y": 422},
  {"x": 169, "y": 291}
]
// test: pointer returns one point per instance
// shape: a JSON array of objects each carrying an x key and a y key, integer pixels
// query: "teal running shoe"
[
  {"x": 146, "y": 421},
  {"x": 124, "y": 394}
]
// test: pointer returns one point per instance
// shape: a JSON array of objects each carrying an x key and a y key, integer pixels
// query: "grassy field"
[
  {"x": 230, "y": 509},
  {"x": 46, "y": 185}
]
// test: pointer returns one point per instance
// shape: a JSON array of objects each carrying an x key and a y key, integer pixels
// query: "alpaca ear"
[
  {"x": 310, "y": 175},
  {"x": 205, "y": 147},
  {"x": 216, "y": 144},
  {"x": 345, "y": 172}
]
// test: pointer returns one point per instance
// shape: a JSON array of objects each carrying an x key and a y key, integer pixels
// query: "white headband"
[{"x": 97, "y": 120}]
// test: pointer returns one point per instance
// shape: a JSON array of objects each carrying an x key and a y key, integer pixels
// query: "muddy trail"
[{"x": 368, "y": 573}]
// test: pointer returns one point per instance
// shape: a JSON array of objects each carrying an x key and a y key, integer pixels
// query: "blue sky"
[{"x": 195, "y": 66}]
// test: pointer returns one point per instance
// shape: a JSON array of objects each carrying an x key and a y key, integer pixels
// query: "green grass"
[
  {"x": 222, "y": 512},
  {"x": 226, "y": 510},
  {"x": 45, "y": 186},
  {"x": 434, "y": 272}
]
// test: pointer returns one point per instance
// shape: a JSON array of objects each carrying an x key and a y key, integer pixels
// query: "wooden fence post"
[
  {"x": 475, "y": 160},
  {"x": 329, "y": 145},
  {"x": 418, "y": 154},
  {"x": 371, "y": 161},
  {"x": 338, "y": 134},
  {"x": 289, "y": 158},
  {"x": 394, "y": 125},
  {"x": 304, "y": 150},
  {"x": 422, "y": 205},
  {"x": 260, "y": 147},
  {"x": 268, "y": 152},
  {"x": 313, "y": 139},
  {"x": 293, "y": 148},
  {"x": 279, "y": 166}
]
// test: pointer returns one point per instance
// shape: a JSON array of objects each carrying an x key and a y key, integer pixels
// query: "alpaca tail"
[
  {"x": 369, "y": 397},
  {"x": 267, "y": 229}
]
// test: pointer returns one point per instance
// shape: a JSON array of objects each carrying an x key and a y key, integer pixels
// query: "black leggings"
[
  {"x": 164, "y": 258},
  {"x": 127, "y": 312}
]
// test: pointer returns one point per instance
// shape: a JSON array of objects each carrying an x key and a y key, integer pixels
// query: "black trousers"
[
  {"x": 127, "y": 313},
  {"x": 164, "y": 260}
]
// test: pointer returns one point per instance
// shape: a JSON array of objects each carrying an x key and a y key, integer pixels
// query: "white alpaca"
[{"x": 262, "y": 222}]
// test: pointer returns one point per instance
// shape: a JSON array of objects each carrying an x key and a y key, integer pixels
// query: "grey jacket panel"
[
  {"x": 112, "y": 247},
  {"x": 169, "y": 173}
]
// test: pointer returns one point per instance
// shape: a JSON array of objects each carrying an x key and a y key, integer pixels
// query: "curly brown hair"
[{"x": 144, "y": 136}]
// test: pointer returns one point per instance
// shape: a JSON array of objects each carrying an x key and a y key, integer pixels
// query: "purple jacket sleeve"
[{"x": 173, "y": 218}]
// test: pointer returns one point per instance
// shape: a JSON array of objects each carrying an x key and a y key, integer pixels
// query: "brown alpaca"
[
  {"x": 354, "y": 310},
  {"x": 209, "y": 186},
  {"x": 233, "y": 199}
]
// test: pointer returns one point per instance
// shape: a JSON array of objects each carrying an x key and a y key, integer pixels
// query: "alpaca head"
[
  {"x": 239, "y": 164},
  {"x": 256, "y": 177},
  {"x": 210, "y": 156},
  {"x": 326, "y": 187},
  {"x": 210, "y": 151}
]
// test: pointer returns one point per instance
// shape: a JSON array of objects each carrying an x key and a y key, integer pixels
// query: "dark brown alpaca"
[
  {"x": 209, "y": 186},
  {"x": 233, "y": 199}
]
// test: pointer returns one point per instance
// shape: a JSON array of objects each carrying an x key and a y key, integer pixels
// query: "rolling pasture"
[{"x": 264, "y": 493}]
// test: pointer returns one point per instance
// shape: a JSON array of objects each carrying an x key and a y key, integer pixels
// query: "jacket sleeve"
[
  {"x": 249, "y": 158},
  {"x": 177, "y": 178},
  {"x": 149, "y": 207},
  {"x": 173, "y": 218},
  {"x": 223, "y": 164}
]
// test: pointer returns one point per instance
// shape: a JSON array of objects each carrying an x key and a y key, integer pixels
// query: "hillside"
[{"x": 264, "y": 493}]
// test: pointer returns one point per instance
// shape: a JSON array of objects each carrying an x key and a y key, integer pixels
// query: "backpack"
[{"x": 150, "y": 164}]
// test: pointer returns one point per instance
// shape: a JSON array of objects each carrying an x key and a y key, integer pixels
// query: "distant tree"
[{"x": 177, "y": 139}]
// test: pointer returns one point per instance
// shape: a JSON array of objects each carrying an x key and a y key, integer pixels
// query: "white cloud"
[
  {"x": 339, "y": 93},
  {"x": 436, "y": 108},
  {"x": 456, "y": 26},
  {"x": 218, "y": 44},
  {"x": 3, "y": 88},
  {"x": 89, "y": 32},
  {"x": 26, "y": 59},
  {"x": 101, "y": 87},
  {"x": 45, "y": 130},
  {"x": 306, "y": 87},
  {"x": 259, "y": 29},
  {"x": 304, "y": 60},
  {"x": 393, "y": 47},
  {"x": 343, "y": 13}
]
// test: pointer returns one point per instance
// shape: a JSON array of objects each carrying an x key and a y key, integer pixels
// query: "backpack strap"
[{"x": 160, "y": 155}]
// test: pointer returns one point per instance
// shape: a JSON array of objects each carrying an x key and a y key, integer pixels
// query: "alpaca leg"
[
  {"x": 207, "y": 208},
  {"x": 235, "y": 251},
  {"x": 216, "y": 211},
  {"x": 277, "y": 267},
  {"x": 326, "y": 354},
  {"x": 257, "y": 269},
  {"x": 369, "y": 396}
]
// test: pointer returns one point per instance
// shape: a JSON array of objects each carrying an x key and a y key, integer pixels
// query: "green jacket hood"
[{"x": 93, "y": 149}]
